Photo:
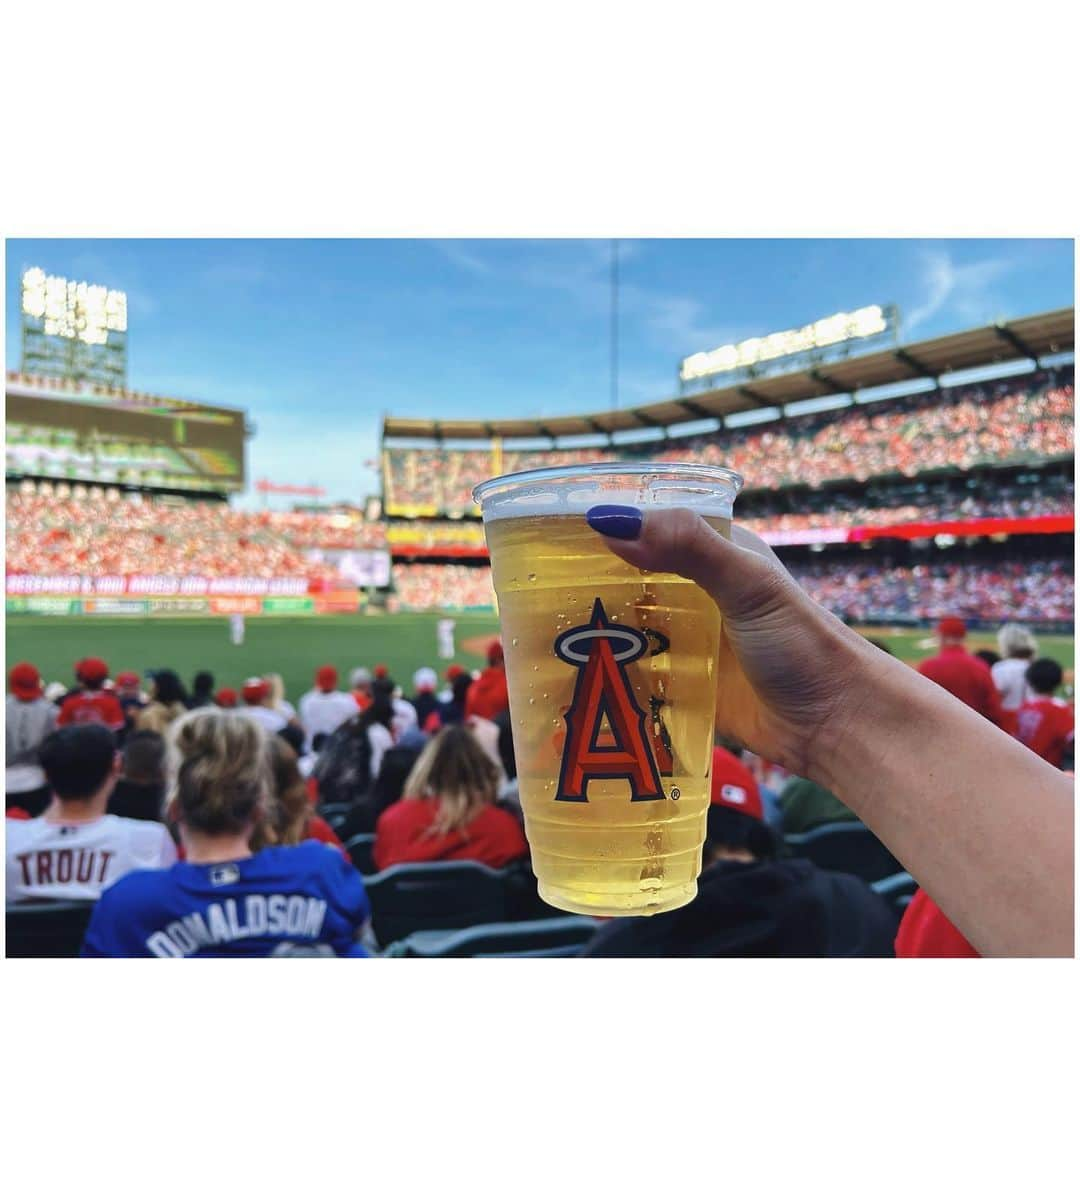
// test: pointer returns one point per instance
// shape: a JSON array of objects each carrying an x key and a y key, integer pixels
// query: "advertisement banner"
[
  {"x": 179, "y": 606},
  {"x": 148, "y": 585},
  {"x": 52, "y": 606},
  {"x": 289, "y": 606},
  {"x": 114, "y": 606},
  {"x": 236, "y": 606},
  {"x": 341, "y": 602}
]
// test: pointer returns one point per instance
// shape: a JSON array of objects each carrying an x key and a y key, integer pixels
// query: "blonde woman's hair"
[
  {"x": 219, "y": 771},
  {"x": 1015, "y": 640},
  {"x": 454, "y": 770}
]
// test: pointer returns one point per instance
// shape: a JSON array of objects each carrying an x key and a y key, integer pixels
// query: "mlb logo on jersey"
[{"x": 224, "y": 874}]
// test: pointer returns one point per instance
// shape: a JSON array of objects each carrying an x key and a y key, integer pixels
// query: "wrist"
[{"x": 874, "y": 710}]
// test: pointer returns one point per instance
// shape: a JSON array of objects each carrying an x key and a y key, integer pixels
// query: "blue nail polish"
[{"x": 620, "y": 523}]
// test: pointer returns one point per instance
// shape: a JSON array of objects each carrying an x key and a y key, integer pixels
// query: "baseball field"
[{"x": 296, "y": 646}]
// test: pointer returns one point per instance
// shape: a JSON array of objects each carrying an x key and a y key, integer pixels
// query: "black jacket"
[{"x": 770, "y": 908}]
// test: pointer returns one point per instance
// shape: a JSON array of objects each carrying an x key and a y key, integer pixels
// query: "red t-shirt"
[
  {"x": 319, "y": 828},
  {"x": 402, "y": 836},
  {"x": 925, "y": 933},
  {"x": 1045, "y": 725},
  {"x": 91, "y": 706},
  {"x": 487, "y": 696},
  {"x": 967, "y": 678}
]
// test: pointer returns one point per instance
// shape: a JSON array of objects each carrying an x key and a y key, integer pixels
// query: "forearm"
[{"x": 981, "y": 822}]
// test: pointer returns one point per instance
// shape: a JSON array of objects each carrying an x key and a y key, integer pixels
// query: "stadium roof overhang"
[{"x": 1011, "y": 340}]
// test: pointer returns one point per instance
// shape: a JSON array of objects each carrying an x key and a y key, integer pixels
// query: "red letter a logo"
[{"x": 601, "y": 651}]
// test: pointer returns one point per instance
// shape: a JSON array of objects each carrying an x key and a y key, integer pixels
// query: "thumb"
[{"x": 745, "y": 582}]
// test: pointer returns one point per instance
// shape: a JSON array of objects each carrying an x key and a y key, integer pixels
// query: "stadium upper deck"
[{"x": 1020, "y": 419}]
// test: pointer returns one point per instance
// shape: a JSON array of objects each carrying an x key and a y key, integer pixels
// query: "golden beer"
[{"x": 612, "y": 679}]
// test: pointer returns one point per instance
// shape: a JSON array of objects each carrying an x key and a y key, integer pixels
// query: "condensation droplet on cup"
[
  {"x": 514, "y": 641},
  {"x": 532, "y": 576},
  {"x": 532, "y": 701}
]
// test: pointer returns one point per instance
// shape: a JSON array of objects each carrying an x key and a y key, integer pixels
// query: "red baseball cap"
[
  {"x": 92, "y": 668},
  {"x": 381, "y": 671},
  {"x": 25, "y": 681},
  {"x": 126, "y": 680},
  {"x": 225, "y": 698},
  {"x": 454, "y": 670},
  {"x": 255, "y": 689},
  {"x": 733, "y": 785},
  {"x": 495, "y": 652},
  {"x": 952, "y": 627},
  {"x": 326, "y": 678}
]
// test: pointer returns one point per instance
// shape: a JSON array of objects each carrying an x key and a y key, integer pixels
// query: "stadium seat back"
[
  {"x": 897, "y": 890},
  {"x": 47, "y": 929},
  {"x": 547, "y": 938},
  {"x": 440, "y": 896},
  {"x": 846, "y": 847},
  {"x": 360, "y": 849},
  {"x": 335, "y": 813}
]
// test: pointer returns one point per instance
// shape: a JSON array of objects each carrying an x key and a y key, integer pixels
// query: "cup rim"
[{"x": 691, "y": 470}]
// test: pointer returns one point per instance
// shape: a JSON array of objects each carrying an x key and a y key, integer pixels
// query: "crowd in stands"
[
  {"x": 201, "y": 829},
  {"x": 65, "y": 530},
  {"x": 1025, "y": 589},
  {"x": 1020, "y": 420},
  {"x": 1040, "y": 590},
  {"x": 437, "y": 587}
]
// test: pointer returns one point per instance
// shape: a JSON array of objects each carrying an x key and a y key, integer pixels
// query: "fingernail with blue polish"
[{"x": 620, "y": 523}]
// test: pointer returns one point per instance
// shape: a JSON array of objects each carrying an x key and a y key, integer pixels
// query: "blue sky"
[{"x": 317, "y": 339}]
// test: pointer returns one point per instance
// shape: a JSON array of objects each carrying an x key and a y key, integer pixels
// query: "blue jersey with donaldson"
[{"x": 281, "y": 898}]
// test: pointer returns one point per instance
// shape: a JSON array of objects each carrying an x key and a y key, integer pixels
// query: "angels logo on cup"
[{"x": 600, "y": 651}]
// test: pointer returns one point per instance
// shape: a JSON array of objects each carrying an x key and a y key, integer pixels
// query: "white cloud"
[
  {"x": 467, "y": 259},
  {"x": 963, "y": 291}
]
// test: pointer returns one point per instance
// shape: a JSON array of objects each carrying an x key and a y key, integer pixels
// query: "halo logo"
[{"x": 600, "y": 651}]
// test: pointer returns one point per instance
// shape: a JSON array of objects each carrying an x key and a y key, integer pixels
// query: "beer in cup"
[{"x": 612, "y": 679}]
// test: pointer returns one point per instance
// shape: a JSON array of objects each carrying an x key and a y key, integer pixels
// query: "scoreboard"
[{"x": 80, "y": 432}]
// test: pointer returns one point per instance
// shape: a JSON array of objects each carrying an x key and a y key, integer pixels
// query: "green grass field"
[{"x": 296, "y": 646}]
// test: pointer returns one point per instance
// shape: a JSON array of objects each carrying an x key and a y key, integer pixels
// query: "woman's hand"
[{"x": 788, "y": 668}]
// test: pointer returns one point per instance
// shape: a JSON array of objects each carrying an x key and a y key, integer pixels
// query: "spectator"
[
  {"x": 1018, "y": 647},
  {"x": 360, "y": 686},
  {"x": 276, "y": 699},
  {"x": 223, "y": 900},
  {"x": 140, "y": 790},
  {"x": 290, "y": 818},
  {"x": 76, "y": 849},
  {"x": 403, "y": 717},
  {"x": 387, "y": 788},
  {"x": 488, "y": 696},
  {"x": 226, "y": 698},
  {"x": 324, "y": 708},
  {"x": 989, "y": 658},
  {"x": 29, "y": 719},
  {"x": 454, "y": 711},
  {"x": 805, "y": 804},
  {"x": 256, "y": 694},
  {"x": 168, "y": 702},
  {"x": 750, "y": 903},
  {"x": 352, "y": 756},
  {"x": 424, "y": 700},
  {"x": 202, "y": 691},
  {"x": 1045, "y": 723},
  {"x": 448, "y": 811},
  {"x": 128, "y": 693},
  {"x": 91, "y": 704},
  {"x": 960, "y": 673}
]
